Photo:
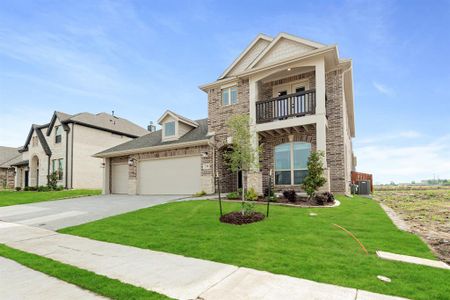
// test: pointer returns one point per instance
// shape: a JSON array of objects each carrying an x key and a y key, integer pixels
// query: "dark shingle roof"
[{"x": 154, "y": 139}]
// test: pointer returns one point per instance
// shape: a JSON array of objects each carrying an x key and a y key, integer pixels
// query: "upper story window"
[
  {"x": 229, "y": 95},
  {"x": 169, "y": 128},
  {"x": 291, "y": 161},
  {"x": 34, "y": 141},
  {"x": 58, "y": 134}
]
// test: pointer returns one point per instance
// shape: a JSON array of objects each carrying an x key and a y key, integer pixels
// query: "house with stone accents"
[
  {"x": 8, "y": 157},
  {"x": 299, "y": 96},
  {"x": 66, "y": 145}
]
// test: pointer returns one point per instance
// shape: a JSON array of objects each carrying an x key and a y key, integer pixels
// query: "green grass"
[
  {"x": 98, "y": 284},
  {"x": 290, "y": 242},
  {"x": 12, "y": 197}
]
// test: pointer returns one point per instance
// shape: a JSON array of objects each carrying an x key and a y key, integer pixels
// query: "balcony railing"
[{"x": 288, "y": 106}]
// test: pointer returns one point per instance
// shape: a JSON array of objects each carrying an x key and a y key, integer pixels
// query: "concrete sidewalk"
[
  {"x": 173, "y": 275},
  {"x": 19, "y": 282}
]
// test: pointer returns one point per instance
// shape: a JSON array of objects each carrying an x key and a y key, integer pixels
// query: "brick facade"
[{"x": 7, "y": 178}]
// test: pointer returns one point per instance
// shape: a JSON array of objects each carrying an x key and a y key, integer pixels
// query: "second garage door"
[{"x": 169, "y": 176}]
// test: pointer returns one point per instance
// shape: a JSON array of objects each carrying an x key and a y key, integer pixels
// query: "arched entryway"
[{"x": 34, "y": 171}]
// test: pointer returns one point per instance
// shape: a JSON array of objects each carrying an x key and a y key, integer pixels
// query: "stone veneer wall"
[
  {"x": 217, "y": 119},
  {"x": 335, "y": 131},
  {"x": 7, "y": 178},
  {"x": 268, "y": 160}
]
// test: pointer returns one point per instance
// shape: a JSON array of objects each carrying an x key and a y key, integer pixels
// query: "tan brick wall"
[
  {"x": 335, "y": 131},
  {"x": 267, "y": 88},
  {"x": 7, "y": 178}
]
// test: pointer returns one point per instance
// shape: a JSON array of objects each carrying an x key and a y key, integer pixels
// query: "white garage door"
[
  {"x": 119, "y": 178},
  {"x": 169, "y": 176}
]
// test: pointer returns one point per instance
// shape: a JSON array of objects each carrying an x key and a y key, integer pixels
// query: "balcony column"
[
  {"x": 254, "y": 178},
  {"x": 320, "y": 87}
]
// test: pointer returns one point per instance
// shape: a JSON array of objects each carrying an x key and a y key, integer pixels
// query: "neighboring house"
[
  {"x": 8, "y": 157},
  {"x": 66, "y": 144},
  {"x": 299, "y": 95}
]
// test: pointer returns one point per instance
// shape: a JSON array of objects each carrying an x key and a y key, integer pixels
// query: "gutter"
[
  {"x": 67, "y": 156},
  {"x": 151, "y": 149}
]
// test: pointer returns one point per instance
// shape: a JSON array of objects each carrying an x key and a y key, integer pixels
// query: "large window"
[
  {"x": 229, "y": 96},
  {"x": 291, "y": 163},
  {"x": 57, "y": 166},
  {"x": 58, "y": 134},
  {"x": 169, "y": 129}
]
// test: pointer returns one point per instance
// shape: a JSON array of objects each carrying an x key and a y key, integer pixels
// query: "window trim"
[
  {"x": 228, "y": 89},
  {"x": 174, "y": 129},
  {"x": 292, "y": 169}
]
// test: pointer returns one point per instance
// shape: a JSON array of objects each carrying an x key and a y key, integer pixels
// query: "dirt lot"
[{"x": 425, "y": 210}]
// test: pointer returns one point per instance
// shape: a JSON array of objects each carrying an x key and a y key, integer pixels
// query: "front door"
[{"x": 26, "y": 178}]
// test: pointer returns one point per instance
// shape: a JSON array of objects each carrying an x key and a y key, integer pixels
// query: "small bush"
[
  {"x": 248, "y": 208},
  {"x": 32, "y": 188},
  {"x": 52, "y": 181},
  {"x": 233, "y": 195},
  {"x": 251, "y": 194},
  {"x": 43, "y": 188},
  {"x": 323, "y": 198},
  {"x": 26, "y": 189},
  {"x": 266, "y": 192},
  {"x": 200, "y": 194},
  {"x": 18, "y": 188},
  {"x": 290, "y": 195},
  {"x": 59, "y": 188}
]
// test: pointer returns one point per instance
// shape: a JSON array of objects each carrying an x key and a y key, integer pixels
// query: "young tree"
[
  {"x": 315, "y": 179},
  {"x": 242, "y": 156}
]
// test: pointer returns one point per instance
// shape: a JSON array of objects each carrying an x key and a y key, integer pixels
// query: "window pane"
[
  {"x": 283, "y": 157},
  {"x": 169, "y": 129},
  {"x": 282, "y": 177},
  {"x": 233, "y": 92},
  {"x": 54, "y": 165},
  {"x": 225, "y": 96},
  {"x": 301, "y": 154},
  {"x": 299, "y": 176}
]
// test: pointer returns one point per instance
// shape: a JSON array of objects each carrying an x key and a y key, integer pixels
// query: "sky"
[{"x": 140, "y": 58}]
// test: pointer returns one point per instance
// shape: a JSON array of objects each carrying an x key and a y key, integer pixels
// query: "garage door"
[
  {"x": 119, "y": 178},
  {"x": 169, "y": 176}
]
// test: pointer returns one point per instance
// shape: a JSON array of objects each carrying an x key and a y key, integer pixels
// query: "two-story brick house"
[
  {"x": 66, "y": 144},
  {"x": 299, "y": 95}
]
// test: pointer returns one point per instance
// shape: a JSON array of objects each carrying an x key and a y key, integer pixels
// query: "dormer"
[{"x": 174, "y": 126}]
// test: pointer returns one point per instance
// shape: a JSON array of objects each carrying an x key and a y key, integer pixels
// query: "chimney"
[{"x": 151, "y": 127}]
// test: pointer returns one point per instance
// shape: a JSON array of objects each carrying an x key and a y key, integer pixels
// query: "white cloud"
[
  {"x": 391, "y": 136},
  {"x": 411, "y": 161},
  {"x": 383, "y": 89}
]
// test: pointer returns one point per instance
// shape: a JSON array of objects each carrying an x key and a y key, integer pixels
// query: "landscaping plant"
[
  {"x": 315, "y": 179},
  {"x": 243, "y": 156}
]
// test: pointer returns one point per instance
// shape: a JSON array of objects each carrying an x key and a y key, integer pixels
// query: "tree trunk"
[{"x": 243, "y": 190}]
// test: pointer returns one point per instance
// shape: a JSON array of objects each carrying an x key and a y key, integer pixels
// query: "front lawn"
[
  {"x": 102, "y": 285},
  {"x": 290, "y": 242},
  {"x": 13, "y": 197}
]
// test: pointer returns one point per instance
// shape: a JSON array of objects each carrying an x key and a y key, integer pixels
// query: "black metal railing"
[{"x": 283, "y": 107}]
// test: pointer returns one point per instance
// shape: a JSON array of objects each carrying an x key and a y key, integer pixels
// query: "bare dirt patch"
[
  {"x": 427, "y": 213},
  {"x": 237, "y": 218}
]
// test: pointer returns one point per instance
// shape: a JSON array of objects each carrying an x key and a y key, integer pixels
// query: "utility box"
[{"x": 364, "y": 187}]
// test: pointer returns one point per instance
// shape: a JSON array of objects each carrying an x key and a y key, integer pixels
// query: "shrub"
[
  {"x": 59, "y": 188},
  {"x": 26, "y": 189},
  {"x": 199, "y": 194},
  {"x": 18, "y": 188},
  {"x": 248, "y": 208},
  {"x": 315, "y": 179},
  {"x": 32, "y": 188},
  {"x": 233, "y": 195},
  {"x": 52, "y": 180},
  {"x": 43, "y": 188},
  {"x": 251, "y": 194},
  {"x": 290, "y": 195},
  {"x": 323, "y": 198},
  {"x": 330, "y": 197}
]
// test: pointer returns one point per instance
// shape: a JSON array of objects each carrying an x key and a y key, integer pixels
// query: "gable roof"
[
  {"x": 101, "y": 121},
  {"x": 249, "y": 54},
  {"x": 154, "y": 139},
  {"x": 7, "y": 154},
  {"x": 41, "y": 137},
  {"x": 178, "y": 118},
  {"x": 302, "y": 45}
]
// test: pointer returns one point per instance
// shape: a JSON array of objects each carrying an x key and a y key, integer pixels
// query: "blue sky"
[{"x": 139, "y": 58}]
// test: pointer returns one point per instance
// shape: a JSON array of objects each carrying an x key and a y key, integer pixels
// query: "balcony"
[{"x": 287, "y": 106}]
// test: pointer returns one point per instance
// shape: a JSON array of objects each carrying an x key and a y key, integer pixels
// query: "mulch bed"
[{"x": 237, "y": 218}]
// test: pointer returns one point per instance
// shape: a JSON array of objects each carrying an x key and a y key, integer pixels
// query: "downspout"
[
  {"x": 71, "y": 158},
  {"x": 67, "y": 155},
  {"x": 48, "y": 168}
]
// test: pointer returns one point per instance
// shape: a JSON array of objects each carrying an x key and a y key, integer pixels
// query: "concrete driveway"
[{"x": 58, "y": 214}]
